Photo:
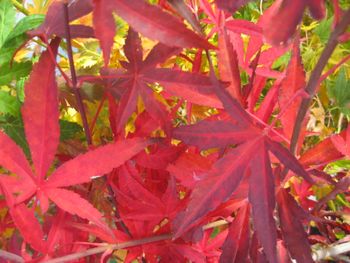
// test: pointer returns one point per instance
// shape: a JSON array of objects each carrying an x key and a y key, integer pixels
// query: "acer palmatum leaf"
[
  {"x": 284, "y": 16},
  {"x": 13, "y": 158},
  {"x": 267, "y": 106},
  {"x": 104, "y": 26},
  {"x": 262, "y": 198},
  {"x": 159, "y": 54},
  {"x": 286, "y": 158},
  {"x": 231, "y": 5},
  {"x": 213, "y": 133},
  {"x": 216, "y": 188},
  {"x": 293, "y": 82},
  {"x": 292, "y": 228},
  {"x": 82, "y": 168},
  {"x": 341, "y": 144},
  {"x": 183, "y": 9},
  {"x": 195, "y": 88},
  {"x": 55, "y": 25},
  {"x": 236, "y": 245},
  {"x": 133, "y": 49},
  {"x": 134, "y": 83},
  {"x": 40, "y": 111},
  {"x": 153, "y": 22},
  {"x": 322, "y": 153},
  {"x": 228, "y": 66},
  {"x": 74, "y": 204},
  {"x": 25, "y": 220}
]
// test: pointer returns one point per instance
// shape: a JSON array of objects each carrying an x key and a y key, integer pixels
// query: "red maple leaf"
[
  {"x": 40, "y": 114},
  {"x": 250, "y": 157},
  {"x": 134, "y": 81},
  {"x": 150, "y": 20}
]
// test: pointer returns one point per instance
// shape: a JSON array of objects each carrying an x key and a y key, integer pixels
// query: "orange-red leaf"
[
  {"x": 12, "y": 157},
  {"x": 29, "y": 226},
  {"x": 40, "y": 111},
  {"x": 96, "y": 162},
  {"x": 75, "y": 205},
  {"x": 104, "y": 26}
]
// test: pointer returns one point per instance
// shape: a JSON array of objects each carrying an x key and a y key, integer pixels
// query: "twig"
[
  {"x": 74, "y": 77},
  {"x": 10, "y": 256},
  {"x": 214, "y": 224},
  {"x": 334, "y": 68},
  {"x": 99, "y": 250},
  {"x": 315, "y": 76},
  {"x": 121, "y": 223},
  {"x": 331, "y": 251}
]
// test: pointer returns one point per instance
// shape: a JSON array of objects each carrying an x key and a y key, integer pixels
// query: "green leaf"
[
  {"x": 25, "y": 24},
  {"x": 7, "y": 19},
  {"x": 18, "y": 36},
  {"x": 338, "y": 166},
  {"x": 17, "y": 71},
  {"x": 9, "y": 104},
  {"x": 20, "y": 89},
  {"x": 13, "y": 127},
  {"x": 282, "y": 60},
  {"x": 340, "y": 92},
  {"x": 69, "y": 129},
  {"x": 323, "y": 30}
]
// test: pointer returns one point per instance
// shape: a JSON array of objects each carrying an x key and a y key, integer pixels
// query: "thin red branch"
[
  {"x": 315, "y": 76},
  {"x": 74, "y": 77}
]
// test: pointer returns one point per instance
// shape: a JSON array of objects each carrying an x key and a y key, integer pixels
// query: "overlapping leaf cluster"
[{"x": 194, "y": 120}]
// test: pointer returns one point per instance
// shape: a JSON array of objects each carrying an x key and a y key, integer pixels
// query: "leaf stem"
[
  {"x": 120, "y": 223},
  {"x": 74, "y": 77},
  {"x": 315, "y": 76},
  {"x": 10, "y": 256},
  {"x": 20, "y": 7}
]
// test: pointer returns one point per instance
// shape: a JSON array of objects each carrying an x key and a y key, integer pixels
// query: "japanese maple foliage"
[{"x": 207, "y": 156}]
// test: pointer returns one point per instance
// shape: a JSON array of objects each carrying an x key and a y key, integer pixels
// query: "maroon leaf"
[
  {"x": 210, "y": 134},
  {"x": 128, "y": 102},
  {"x": 236, "y": 246},
  {"x": 262, "y": 198},
  {"x": 288, "y": 159},
  {"x": 54, "y": 22},
  {"x": 284, "y": 16},
  {"x": 231, "y": 5},
  {"x": 216, "y": 188},
  {"x": 195, "y": 88},
  {"x": 181, "y": 7},
  {"x": 133, "y": 49},
  {"x": 158, "y": 55},
  {"x": 292, "y": 229}
]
